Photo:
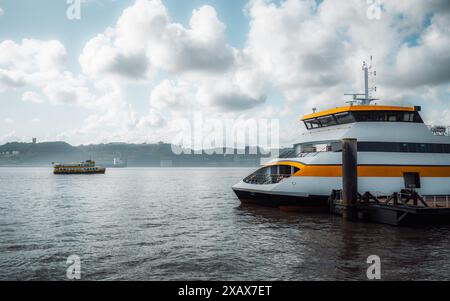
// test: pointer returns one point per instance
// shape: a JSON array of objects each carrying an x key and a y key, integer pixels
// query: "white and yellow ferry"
[
  {"x": 87, "y": 167},
  {"x": 396, "y": 150}
]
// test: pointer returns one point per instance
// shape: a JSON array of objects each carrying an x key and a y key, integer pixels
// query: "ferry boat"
[
  {"x": 396, "y": 151},
  {"x": 118, "y": 162},
  {"x": 87, "y": 167}
]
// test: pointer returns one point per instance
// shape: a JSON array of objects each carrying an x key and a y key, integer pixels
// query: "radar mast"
[{"x": 364, "y": 98}]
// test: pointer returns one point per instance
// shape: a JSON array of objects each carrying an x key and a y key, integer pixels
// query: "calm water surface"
[{"x": 186, "y": 224}]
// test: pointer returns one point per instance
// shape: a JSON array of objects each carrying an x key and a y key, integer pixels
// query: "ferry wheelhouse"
[
  {"x": 87, "y": 167},
  {"x": 396, "y": 151}
]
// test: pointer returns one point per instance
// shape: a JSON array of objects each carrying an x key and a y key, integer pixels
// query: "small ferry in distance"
[
  {"x": 396, "y": 151},
  {"x": 87, "y": 167}
]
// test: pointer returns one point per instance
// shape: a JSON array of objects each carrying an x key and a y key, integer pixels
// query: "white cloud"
[
  {"x": 33, "y": 56},
  {"x": 68, "y": 89},
  {"x": 145, "y": 39},
  {"x": 312, "y": 52},
  {"x": 201, "y": 48},
  {"x": 299, "y": 52},
  {"x": 152, "y": 120},
  {"x": 428, "y": 63},
  {"x": 169, "y": 94},
  {"x": 9, "y": 137},
  {"x": 42, "y": 65},
  {"x": 8, "y": 120},
  {"x": 227, "y": 95},
  {"x": 33, "y": 97},
  {"x": 11, "y": 79},
  {"x": 240, "y": 88},
  {"x": 207, "y": 73},
  {"x": 101, "y": 58},
  {"x": 2, "y": 12},
  {"x": 144, "y": 36},
  {"x": 35, "y": 120}
]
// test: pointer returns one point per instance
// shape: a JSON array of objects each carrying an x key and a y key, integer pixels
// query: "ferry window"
[
  {"x": 438, "y": 148},
  {"x": 390, "y": 116},
  {"x": 271, "y": 174},
  {"x": 327, "y": 120},
  {"x": 285, "y": 170},
  {"x": 376, "y": 116},
  {"x": 403, "y": 147},
  {"x": 423, "y": 148},
  {"x": 362, "y": 116},
  {"x": 408, "y": 117},
  {"x": 274, "y": 170},
  {"x": 312, "y": 124},
  {"x": 373, "y": 147},
  {"x": 344, "y": 117},
  {"x": 262, "y": 171}
]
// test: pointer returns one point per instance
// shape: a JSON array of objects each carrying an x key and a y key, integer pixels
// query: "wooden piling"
[{"x": 349, "y": 178}]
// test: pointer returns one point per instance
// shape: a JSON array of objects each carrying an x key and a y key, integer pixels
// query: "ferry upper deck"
[{"x": 377, "y": 128}]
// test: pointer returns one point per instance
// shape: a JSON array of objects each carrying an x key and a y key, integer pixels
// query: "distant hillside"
[
  {"x": 39, "y": 153},
  {"x": 134, "y": 154}
]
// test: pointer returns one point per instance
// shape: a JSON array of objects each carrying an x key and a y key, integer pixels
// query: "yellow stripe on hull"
[{"x": 388, "y": 171}]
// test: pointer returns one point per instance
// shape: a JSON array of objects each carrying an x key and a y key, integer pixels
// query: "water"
[{"x": 186, "y": 224}]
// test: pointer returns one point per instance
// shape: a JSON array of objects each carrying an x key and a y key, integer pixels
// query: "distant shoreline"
[{"x": 158, "y": 155}]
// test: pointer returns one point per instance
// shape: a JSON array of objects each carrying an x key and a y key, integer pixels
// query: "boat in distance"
[
  {"x": 86, "y": 167},
  {"x": 396, "y": 150}
]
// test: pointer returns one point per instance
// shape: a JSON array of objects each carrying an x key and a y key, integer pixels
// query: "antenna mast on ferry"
[{"x": 366, "y": 99}]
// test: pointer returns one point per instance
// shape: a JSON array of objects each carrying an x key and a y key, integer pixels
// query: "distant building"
[
  {"x": 166, "y": 163},
  {"x": 34, "y": 140},
  {"x": 9, "y": 154}
]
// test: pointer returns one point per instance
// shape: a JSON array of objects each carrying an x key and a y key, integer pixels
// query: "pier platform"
[{"x": 406, "y": 208}]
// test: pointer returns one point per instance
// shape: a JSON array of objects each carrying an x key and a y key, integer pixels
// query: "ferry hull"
[{"x": 312, "y": 203}]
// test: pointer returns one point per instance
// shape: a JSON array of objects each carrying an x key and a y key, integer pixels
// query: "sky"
[{"x": 128, "y": 70}]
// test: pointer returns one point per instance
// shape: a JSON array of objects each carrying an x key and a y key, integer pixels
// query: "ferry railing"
[
  {"x": 405, "y": 197},
  {"x": 314, "y": 153},
  {"x": 439, "y": 130},
  {"x": 292, "y": 154},
  {"x": 437, "y": 201}
]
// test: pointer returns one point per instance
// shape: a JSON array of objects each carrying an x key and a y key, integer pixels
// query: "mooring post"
[{"x": 349, "y": 178}]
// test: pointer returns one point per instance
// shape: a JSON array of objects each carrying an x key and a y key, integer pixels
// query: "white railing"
[
  {"x": 437, "y": 201},
  {"x": 314, "y": 152},
  {"x": 439, "y": 130},
  {"x": 433, "y": 201}
]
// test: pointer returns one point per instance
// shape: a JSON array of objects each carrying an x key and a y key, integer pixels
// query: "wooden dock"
[{"x": 406, "y": 208}]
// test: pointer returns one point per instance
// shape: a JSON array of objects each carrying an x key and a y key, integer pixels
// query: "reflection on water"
[{"x": 176, "y": 224}]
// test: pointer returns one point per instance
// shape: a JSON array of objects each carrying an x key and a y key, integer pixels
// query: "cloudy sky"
[{"x": 127, "y": 69}]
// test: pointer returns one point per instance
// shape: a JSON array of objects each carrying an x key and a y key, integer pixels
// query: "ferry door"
[{"x": 412, "y": 180}]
